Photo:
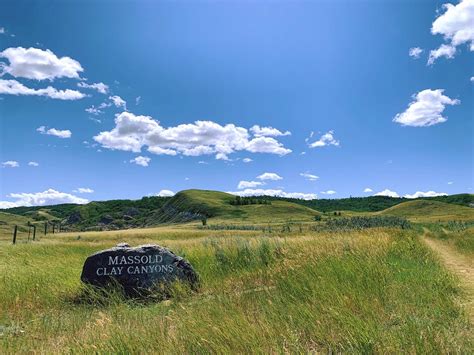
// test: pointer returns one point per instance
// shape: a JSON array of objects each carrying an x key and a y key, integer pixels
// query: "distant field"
[{"x": 376, "y": 290}]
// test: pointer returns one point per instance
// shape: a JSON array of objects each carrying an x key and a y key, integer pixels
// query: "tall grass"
[{"x": 365, "y": 291}]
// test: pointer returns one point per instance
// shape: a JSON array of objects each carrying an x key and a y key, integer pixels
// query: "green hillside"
[
  {"x": 430, "y": 211},
  {"x": 196, "y": 204},
  {"x": 372, "y": 203}
]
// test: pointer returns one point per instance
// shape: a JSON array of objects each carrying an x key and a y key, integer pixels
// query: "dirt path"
[{"x": 459, "y": 264}]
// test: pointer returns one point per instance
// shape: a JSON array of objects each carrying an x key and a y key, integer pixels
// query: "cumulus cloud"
[
  {"x": 426, "y": 109},
  {"x": 247, "y": 160},
  {"x": 325, "y": 140},
  {"x": 445, "y": 50},
  {"x": 266, "y": 145},
  {"x": 387, "y": 192},
  {"x": 48, "y": 197},
  {"x": 55, "y": 132},
  {"x": 38, "y": 64},
  {"x": 277, "y": 193},
  {"x": 472, "y": 79},
  {"x": 13, "y": 87},
  {"x": 425, "y": 194},
  {"x": 100, "y": 87},
  {"x": 142, "y": 161},
  {"x": 2, "y": 30},
  {"x": 248, "y": 184},
  {"x": 309, "y": 177},
  {"x": 328, "y": 192},
  {"x": 456, "y": 26},
  {"x": 83, "y": 190},
  {"x": 368, "y": 189},
  {"x": 33, "y": 163},
  {"x": 267, "y": 132},
  {"x": 165, "y": 193},
  {"x": 118, "y": 101},
  {"x": 132, "y": 133},
  {"x": 269, "y": 176},
  {"x": 415, "y": 52},
  {"x": 10, "y": 164}
]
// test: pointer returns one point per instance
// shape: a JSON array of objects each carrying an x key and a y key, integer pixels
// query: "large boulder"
[{"x": 140, "y": 270}]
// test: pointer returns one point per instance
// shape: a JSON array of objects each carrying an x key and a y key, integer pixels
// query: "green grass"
[
  {"x": 375, "y": 290},
  {"x": 430, "y": 211},
  {"x": 460, "y": 236}
]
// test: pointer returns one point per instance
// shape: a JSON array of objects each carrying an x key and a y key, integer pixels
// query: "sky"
[{"x": 310, "y": 99}]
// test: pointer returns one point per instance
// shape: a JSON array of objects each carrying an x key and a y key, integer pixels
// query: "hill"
[
  {"x": 197, "y": 204},
  {"x": 430, "y": 211},
  {"x": 191, "y": 205},
  {"x": 373, "y": 203}
]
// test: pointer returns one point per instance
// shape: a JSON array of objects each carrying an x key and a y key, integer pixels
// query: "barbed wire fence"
[{"x": 31, "y": 231}]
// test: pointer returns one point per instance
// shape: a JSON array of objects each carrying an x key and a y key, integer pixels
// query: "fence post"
[
  {"x": 29, "y": 231},
  {"x": 34, "y": 232},
  {"x": 45, "y": 228},
  {"x": 54, "y": 225},
  {"x": 14, "y": 234}
]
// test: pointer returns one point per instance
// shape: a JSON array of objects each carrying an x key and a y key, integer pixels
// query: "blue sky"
[{"x": 340, "y": 104}]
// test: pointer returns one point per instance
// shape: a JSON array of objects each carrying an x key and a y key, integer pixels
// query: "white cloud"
[
  {"x": 426, "y": 109},
  {"x": 138, "y": 99},
  {"x": 309, "y": 177},
  {"x": 445, "y": 50},
  {"x": 93, "y": 110},
  {"x": 425, "y": 194},
  {"x": 456, "y": 26},
  {"x": 132, "y": 133},
  {"x": 269, "y": 176},
  {"x": 83, "y": 190},
  {"x": 33, "y": 163},
  {"x": 368, "y": 189},
  {"x": 267, "y": 132},
  {"x": 55, "y": 132},
  {"x": 10, "y": 164},
  {"x": 38, "y": 64},
  {"x": 100, "y": 87},
  {"x": 2, "y": 30},
  {"x": 278, "y": 193},
  {"x": 415, "y": 52},
  {"x": 472, "y": 79},
  {"x": 266, "y": 145},
  {"x": 142, "y": 161},
  {"x": 48, "y": 197},
  {"x": 328, "y": 192},
  {"x": 247, "y": 160},
  {"x": 326, "y": 139},
  {"x": 248, "y": 184},
  {"x": 387, "y": 192},
  {"x": 118, "y": 101},
  {"x": 450, "y": 182},
  {"x": 13, "y": 87},
  {"x": 165, "y": 193}
]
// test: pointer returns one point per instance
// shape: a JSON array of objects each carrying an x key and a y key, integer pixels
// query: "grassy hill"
[
  {"x": 192, "y": 205},
  {"x": 195, "y": 204},
  {"x": 430, "y": 211},
  {"x": 373, "y": 203}
]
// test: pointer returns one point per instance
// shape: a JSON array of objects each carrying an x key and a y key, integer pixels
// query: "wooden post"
[
  {"x": 53, "y": 227},
  {"x": 14, "y": 234},
  {"x": 29, "y": 231},
  {"x": 34, "y": 232},
  {"x": 45, "y": 228}
]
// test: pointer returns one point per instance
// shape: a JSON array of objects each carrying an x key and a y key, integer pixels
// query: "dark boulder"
[{"x": 139, "y": 271}]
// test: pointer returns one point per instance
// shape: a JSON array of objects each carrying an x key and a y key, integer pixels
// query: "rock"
[{"x": 140, "y": 270}]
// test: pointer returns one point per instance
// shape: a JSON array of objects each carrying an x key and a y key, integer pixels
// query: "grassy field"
[
  {"x": 373, "y": 290},
  {"x": 430, "y": 211}
]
